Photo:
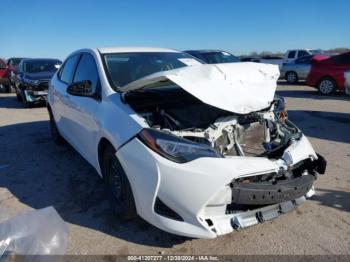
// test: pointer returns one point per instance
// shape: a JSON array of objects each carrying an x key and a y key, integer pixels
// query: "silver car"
[
  {"x": 297, "y": 69},
  {"x": 347, "y": 82}
]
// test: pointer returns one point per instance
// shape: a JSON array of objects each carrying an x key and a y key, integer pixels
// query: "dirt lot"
[{"x": 35, "y": 173}]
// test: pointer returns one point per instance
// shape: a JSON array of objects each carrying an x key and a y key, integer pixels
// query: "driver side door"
[{"x": 80, "y": 111}]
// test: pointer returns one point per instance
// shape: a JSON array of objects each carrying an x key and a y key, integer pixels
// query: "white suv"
[{"x": 194, "y": 149}]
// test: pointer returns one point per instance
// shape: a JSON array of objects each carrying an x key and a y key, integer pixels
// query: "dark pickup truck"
[{"x": 32, "y": 79}]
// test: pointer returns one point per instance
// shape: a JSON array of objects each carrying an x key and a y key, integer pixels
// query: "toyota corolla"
[{"x": 195, "y": 149}]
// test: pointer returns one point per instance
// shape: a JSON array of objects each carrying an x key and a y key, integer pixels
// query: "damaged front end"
[
  {"x": 268, "y": 166},
  {"x": 35, "y": 90}
]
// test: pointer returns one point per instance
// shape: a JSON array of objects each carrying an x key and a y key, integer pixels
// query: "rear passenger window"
[
  {"x": 304, "y": 60},
  {"x": 302, "y": 53},
  {"x": 66, "y": 73},
  {"x": 291, "y": 54},
  {"x": 87, "y": 70}
]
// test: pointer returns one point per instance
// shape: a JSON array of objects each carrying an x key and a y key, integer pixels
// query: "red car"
[
  {"x": 4, "y": 76},
  {"x": 327, "y": 75}
]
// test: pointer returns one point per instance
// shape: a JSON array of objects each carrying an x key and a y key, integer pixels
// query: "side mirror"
[{"x": 82, "y": 88}]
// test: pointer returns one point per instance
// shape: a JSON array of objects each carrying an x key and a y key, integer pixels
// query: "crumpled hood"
[{"x": 236, "y": 87}]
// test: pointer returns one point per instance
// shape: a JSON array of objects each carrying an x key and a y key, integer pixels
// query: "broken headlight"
[{"x": 174, "y": 148}]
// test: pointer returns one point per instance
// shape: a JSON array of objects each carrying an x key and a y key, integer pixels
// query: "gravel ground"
[{"x": 35, "y": 173}]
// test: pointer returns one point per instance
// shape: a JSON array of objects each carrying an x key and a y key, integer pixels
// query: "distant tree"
[
  {"x": 253, "y": 54},
  {"x": 338, "y": 50}
]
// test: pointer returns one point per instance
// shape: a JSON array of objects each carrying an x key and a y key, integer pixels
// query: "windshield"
[
  {"x": 123, "y": 68},
  {"x": 14, "y": 61},
  {"x": 37, "y": 66},
  {"x": 219, "y": 57},
  {"x": 316, "y": 52}
]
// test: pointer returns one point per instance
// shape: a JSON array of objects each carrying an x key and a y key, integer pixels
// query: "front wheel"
[
  {"x": 326, "y": 86},
  {"x": 117, "y": 185}
]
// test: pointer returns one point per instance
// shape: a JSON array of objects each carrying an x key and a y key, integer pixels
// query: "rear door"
[
  {"x": 302, "y": 66},
  {"x": 80, "y": 112}
]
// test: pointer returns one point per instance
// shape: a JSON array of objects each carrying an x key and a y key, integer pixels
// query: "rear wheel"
[
  {"x": 292, "y": 77},
  {"x": 326, "y": 86},
  {"x": 117, "y": 185}
]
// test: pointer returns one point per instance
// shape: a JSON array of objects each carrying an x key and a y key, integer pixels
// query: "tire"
[
  {"x": 4, "y": 88},
  {"x": 117, "y": 185},
  {"x": 326, "y": 86},
  {"x": 19, "y": 97},
  {"x": 55, "y": 134},
  {"x": 11, "y": 89},
  {"x": 292, "y": 77},
  {"x": 24, "y": 101}
]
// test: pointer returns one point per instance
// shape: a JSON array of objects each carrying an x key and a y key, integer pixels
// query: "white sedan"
[{"x": 194, "y": 149}]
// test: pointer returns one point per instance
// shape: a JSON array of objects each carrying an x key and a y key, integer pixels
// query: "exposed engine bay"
[{"x": 181, "y": 114}]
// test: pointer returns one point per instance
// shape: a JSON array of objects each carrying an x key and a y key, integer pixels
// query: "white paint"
[
  {"x": 236, "y": 87},
  {"x": 186, "y": 188}
]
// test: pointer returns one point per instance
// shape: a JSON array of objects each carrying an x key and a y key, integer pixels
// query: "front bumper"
[
  {"x": 201, "y": 191},
  {"x": 35, "y": 96}
]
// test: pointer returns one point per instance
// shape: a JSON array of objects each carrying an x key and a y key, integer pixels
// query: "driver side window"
[{"x": 87, "y": 70}]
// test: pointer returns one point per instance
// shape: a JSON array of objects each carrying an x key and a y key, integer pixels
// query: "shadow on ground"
[
  {"x": 39, "y": 174},
  {"x": 333, "y": 198},
  {"x": 330, "y": 126},
  {"x": 10, "y": 101},
  {"x": 311, "y": 94}
]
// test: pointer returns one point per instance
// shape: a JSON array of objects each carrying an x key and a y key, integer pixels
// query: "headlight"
[{"x": 174, "y": 148}]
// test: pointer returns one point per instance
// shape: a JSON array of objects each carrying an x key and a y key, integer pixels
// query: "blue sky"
[{"x": 44, "y": 28}]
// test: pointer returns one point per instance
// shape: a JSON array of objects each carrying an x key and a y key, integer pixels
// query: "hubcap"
[
  {"x": 326, "y": 86},
  {"x": 291, "y": 77}
]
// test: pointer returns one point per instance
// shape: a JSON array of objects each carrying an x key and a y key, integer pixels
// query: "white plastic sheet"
[{"x": 38, "y": 232}]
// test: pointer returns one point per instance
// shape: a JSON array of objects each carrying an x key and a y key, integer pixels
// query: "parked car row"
[
  {"x": 327, "y": 74},
  {"x": 320, "y": 71},
  {"x": 29, "y": 77}
]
